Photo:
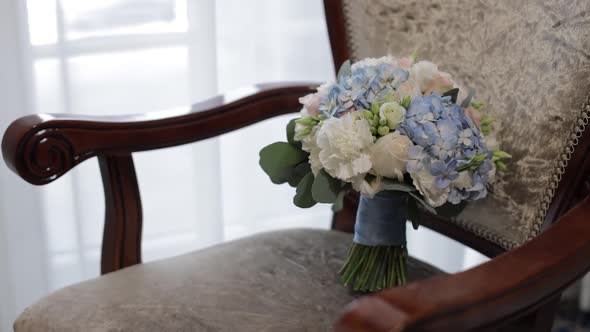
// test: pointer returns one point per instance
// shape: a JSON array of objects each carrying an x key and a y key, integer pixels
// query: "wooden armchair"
[{"x": 527, "y": 59}]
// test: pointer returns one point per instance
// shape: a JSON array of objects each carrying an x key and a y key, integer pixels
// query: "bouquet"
[{"x": 402, "y": 133}]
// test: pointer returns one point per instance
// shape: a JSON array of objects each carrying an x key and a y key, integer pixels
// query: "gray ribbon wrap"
[{"x": 381, "y": 220}]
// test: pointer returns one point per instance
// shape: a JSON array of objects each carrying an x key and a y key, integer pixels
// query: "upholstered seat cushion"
[{"x": 278, "y": 281}]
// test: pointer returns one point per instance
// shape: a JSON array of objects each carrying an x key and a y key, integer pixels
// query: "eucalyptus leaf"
[
  {"x": 467, "y": 101},
  {"x": 450, "y": 210},
  {"x": 422, "y": 202},
  {"x": 344, "y": 70},
  {"x": 397, "y": 186},
  {"x": 413, "y": 212},
  {"x": 303, "y": 197},
  {"x": 325, "y": 188},
  {"x": 453, "y": 93},
  {"x": 339, "y": 203},
  {"x": 291, "y": 133},
  {"x": 298, "y": 173},
  {"x": 279, "y": 158}
]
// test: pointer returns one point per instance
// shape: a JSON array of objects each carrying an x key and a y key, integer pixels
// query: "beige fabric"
[
  {"x": 529, "y": 60},
  {"x": 280, "y": 281}
]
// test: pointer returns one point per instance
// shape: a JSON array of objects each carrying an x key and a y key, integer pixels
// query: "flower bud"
[
  {"x": 383, "y": 131},
  {"x": 304, "y": 132},
  {"x": 375, "y": 122},
  {"x": 307, "y": 121},
  {"x": 394, "y": 113},
  {"x": 375, "y": 108}
]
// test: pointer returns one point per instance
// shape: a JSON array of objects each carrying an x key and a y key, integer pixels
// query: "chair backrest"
[{"x": 528, "y": 60}]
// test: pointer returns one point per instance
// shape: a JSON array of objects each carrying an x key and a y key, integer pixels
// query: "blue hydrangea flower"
[
  {"x": 361, "y": 88},
  {"x": 444, "y": 173},
  {"x": 445, "y": 140}
]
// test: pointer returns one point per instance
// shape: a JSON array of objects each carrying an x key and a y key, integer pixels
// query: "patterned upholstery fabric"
[
  {"x": 280, "y": 281},
  {"x": 528, "y": 60}
]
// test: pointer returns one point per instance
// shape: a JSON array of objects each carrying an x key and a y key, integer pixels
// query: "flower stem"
[{"x": 371, "y": 268}]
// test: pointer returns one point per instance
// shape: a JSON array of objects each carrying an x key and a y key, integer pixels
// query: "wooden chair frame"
[{"x": 515, "y": 291}]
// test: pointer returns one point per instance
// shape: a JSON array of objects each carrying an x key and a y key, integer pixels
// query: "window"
[{"x": 130, "y": 56}]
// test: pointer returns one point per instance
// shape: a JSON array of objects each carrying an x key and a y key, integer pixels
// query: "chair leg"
[{"x": 542, "y": 319}]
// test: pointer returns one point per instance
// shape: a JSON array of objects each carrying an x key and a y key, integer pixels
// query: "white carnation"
[
  {"x": 389, "y": 155},
  {"x": 345, "y": 146},
  {"x": 426, "y": 185},
  {"x": 314, "y": 161}
]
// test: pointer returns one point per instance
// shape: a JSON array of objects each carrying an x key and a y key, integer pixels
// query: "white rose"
[
  {"x": 389, "y": 155},
  {"x": 426, "y": 185},
  {"x": 424, "y": 72},
  {"x": 394, "y": 113},
  {"x": 345, "y": 146},
  {"x": 367, "y": 188},
  {"x": 409, "y": 88},
  {"x": 430, "y": 79}
]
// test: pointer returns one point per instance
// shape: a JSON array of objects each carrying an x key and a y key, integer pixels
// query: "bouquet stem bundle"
[
  {"x": 370, "y": 268},
  {"x": 377, "y": 257}
]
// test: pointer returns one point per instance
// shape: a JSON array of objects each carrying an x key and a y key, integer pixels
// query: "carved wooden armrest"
[
  {"x": 42, "y": 147},
  {"x": 505, "y": 288}
]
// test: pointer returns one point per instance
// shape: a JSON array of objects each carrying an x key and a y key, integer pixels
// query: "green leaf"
[
  {"x": 279, "y": 158},
  {"x": 414, "y": 55},
  {"x": 449, "y": 210},
  {"x": 303, "y": 197},
  {"x": 467, "y": 101},
  {"x": 422, "y": 202},
  {"x": 325, "y": 188},
  {"x": 344, "y": 70},
  {"x": 291, "y": 133},
  {"x": 477, "y": 105},
  {"x": 397, "y": 186},
  {"x": 453, "y": 93},
  {"x": 502, "y": 154},
  {"x": 339, "y": 203},
  {"x": 413, "y": 212},
  {"x": 298, "y": 173}
]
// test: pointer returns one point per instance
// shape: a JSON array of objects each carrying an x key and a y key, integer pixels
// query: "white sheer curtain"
[{"x": 130, "y": 56}]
